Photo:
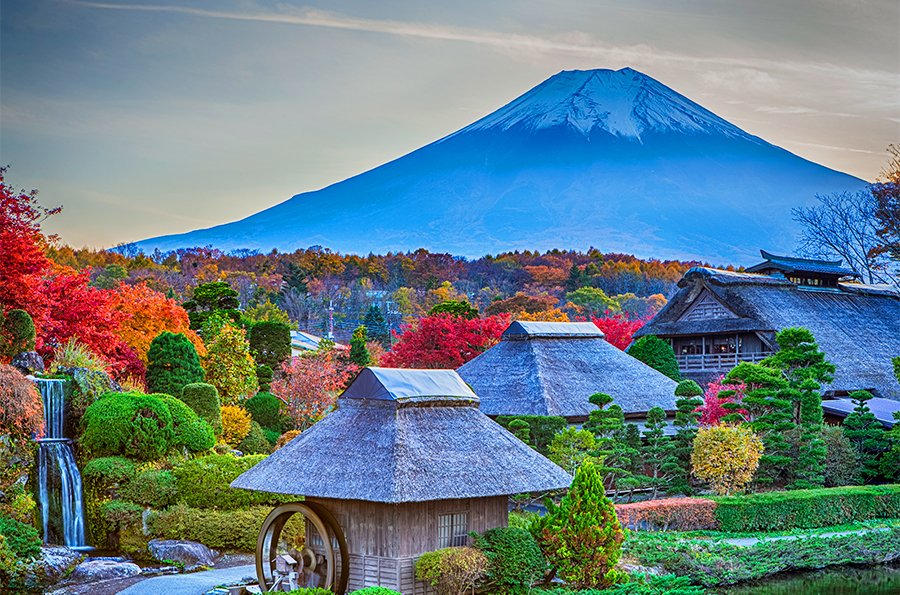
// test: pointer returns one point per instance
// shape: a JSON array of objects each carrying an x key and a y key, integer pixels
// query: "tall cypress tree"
[
  {"x": 866, "y": 434},
  {"x": 377, "y": 326}
]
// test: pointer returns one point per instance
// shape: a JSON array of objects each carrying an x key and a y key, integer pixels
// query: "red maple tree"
[
  {"x": 711, "y": 412},
  {"x": 618, "y": 328},
  {"x": 310, "y": 384},
  {"x": 445, "y": 341}
]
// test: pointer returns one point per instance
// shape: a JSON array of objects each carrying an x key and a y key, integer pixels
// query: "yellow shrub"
[
  {"x": 235, "y": 424},
  {"x": 726, "y": 457},
  {"x": 554, "y": 315}
]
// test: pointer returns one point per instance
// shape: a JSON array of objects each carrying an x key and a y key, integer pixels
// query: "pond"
[{"x": 846, "y": 580}]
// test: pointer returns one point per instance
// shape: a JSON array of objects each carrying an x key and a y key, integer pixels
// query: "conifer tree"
[
  {"x": 686, "y": 420},
  {"x": 581, "y": 538},
  {"x": 172, "y": 363},
  {"x": 210, "y": 298},
  {"x": 377, "y": 326},
  {"x": 631, "y": 460},
  {"x": 359, "y": 355},
  {"x": 608, "y": 426},
  {"x": 575, "y": 280},
  {"x": 658, "y": 451},
  {"x": 866, "y": 433},
  {"x": 657, "y": 354},
  {"x": 766, "y": 411}
]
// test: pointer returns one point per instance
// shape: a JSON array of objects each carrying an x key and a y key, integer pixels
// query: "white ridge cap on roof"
[
  {"x": 553, "y": 329},
  {"x": 393, "y": 384}
]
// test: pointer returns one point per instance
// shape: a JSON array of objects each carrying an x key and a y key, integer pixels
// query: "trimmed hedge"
[
  {"x": 373, "y": 591},
  {"x": 807, "y": 509},
  {"x": 204, "y": 400},
  {"x": 676, "y": 514},
  {"x": 134, "y": 425},
  {"x": 107, "y": 471},
  {"x": 515, "y": 558},
  {"x": 153, "y": 488},
  {"x": 191, "y": 431},
  {"x": 204, "y": 483}
]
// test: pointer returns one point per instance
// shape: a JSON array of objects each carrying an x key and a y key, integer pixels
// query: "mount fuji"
[{"x": 610, "y": 159}]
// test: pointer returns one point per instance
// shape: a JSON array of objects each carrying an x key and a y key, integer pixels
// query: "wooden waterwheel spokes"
[
  {"x": 283, "y": 563},
  {"x": 341, "y": 572}
]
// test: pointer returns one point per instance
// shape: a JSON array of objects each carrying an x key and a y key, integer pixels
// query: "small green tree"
[
  {"x": 686, "y": 420},
  {"x": 631, "y": 460},
  {"x": 659, "y": 455},
  {"x": 571, "y": 447},
  {"x": 542, "y": 429},
  {"x": 229, "y": 365},
  {"x": 520, "y": 430},
  {"x": 890, "y": 462},
  {"x": 270, "y": 343},
  {"x": 657, "y": 354},
  {"x": 210, "y": 298},
  {"x": 607, "y": 425},
  {"x": 359, "y": 355},
  {"x": 172, "y": 363},
  {"x": 463, "y": 309},
  {"x": 581, "y": 538},
  {"x": 203, "y": 398},
  {"x": 377, "y": 326},
  {"x": 16, "y": 333},
  {"x": 867, "y": 435}
]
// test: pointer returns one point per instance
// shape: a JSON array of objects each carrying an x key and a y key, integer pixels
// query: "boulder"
[
  {"x": 189, "y": 553},
  {"x": 28, "y": 362},
  {"x": 101, "y": 569},
  {"x": 55, "y": 562}
]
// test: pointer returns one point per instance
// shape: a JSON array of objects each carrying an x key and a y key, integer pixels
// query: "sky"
[{"x": 144, "y": 118}]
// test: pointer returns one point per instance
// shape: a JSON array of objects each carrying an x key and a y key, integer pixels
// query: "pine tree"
[
  {"x": 581, "y": 538},
  {"x": 173, "y": 363},
  {"x": 658, "y": 450},
  {"x": 376, "y": 325},
  {"x": 607, "y": 425},
  {"x": 359, "y": 355},
  {"x": 575, "y": 280},
  {"x": 686, "y": 420},
  {"x": 211, "y": 298},
  {"x": 631, "y": 460},
  {"x": 866, "y": 433}
]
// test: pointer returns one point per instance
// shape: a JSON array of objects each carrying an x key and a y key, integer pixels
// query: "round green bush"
[
  {"x": 265, "y": 409},
  {"x": 134, "y": 425},
  {"x": 119, "y": 513},
  {"x": 271, "y": 436},
  {"x": 24, "y": 540},
  {"x": 204, "y": 483},
  {"x": 107, "y": 471},
  {"x": 657, "y": 354},
  {"x": 204, "y": 400},
  {"x": 190, "y": 431},
  {"x": 255, "y": 442},
  {"x": 374, "y": 591},
  {"x": 516, "y": 561},
  {"x": 173, "y": 363},
  {"x": 153, "y": 488}
]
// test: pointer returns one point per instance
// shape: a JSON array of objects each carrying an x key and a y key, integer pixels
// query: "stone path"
[
  {"x": 195, "y": 583},
  {"x": 746, "y": 541}
]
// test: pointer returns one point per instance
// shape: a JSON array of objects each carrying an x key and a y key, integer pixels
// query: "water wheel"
[{"x": 284, "y": 558}]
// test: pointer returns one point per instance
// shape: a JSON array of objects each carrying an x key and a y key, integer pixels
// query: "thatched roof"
[
  {"x": 404, "y": 436},
  {"x": 882, "y": 409},
  {"x": 856, "y": 325},
  {"x": 552, "y": 368},
  {"x": 788, "y": 265}
]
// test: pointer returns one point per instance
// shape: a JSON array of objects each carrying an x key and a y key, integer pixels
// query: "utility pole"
[{"x": 331, "y": 320}]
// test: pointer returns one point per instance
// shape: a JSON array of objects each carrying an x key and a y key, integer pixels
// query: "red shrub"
[
  {"x": 682, "y": 514},
  {"x": 711, "y": 412}
]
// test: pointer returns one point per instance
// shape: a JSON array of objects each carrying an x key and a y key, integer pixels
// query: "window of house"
[{"x": 453, "y": 529}]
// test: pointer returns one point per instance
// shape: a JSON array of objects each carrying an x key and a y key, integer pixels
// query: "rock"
[
  {"x": 104, "y": 569},
  {"x": 28, "y": 362},
  {"x": 56, "y": 561},
  {"x": 189, "y": 553}
]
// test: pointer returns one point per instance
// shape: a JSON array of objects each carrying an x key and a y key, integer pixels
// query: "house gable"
[{"x": 706, "y": 307}]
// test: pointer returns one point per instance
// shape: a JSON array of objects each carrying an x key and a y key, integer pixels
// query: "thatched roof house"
[
  {"x": 407, "y": 464},
  {"x": 552, "y": 368},
  {"x": 721, "y": 317}
]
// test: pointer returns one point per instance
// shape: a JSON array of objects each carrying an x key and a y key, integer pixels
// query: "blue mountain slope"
[{"x": 612, "y": 159}]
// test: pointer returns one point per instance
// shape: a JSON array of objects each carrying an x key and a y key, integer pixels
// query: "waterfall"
[{"x": 60, "y": 493}]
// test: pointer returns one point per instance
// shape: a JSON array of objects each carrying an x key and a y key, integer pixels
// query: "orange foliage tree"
[
  {"x": 149, "y": 313},
  {"x": 21, "y": 409}
]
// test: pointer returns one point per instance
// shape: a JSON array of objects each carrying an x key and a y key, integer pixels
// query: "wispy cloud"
[
  {"x": 798, "y": 110},
  {"x": 788, "y": 142}
]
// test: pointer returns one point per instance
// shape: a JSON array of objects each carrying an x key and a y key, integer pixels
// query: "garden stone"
[
  {"x": 104, "y": 569},
  {"x": 56, "y": 561},
  {"x": 28, "y": 362},
  {"x": 189, "y": 553}
]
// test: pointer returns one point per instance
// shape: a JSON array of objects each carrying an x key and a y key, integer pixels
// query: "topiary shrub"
[
  {"x": 374, "y": 591},
  {"x": 264, "y": 377},
  {"x": 203, "y": 398},
  {"x": 154, "y": 488},
  {"x": 137, "y": 426},
  {"x": 516, "y": 561},
  {"x": 108, "y": 471},
  {"x": 189, "y": 430},
  {"x": 255, "y": 442},
  {"x": 235, "y": 424},
  {"x": 173, "y": 363},
  {"x": 219, "y": 529},
  {"x": 265, "y": 409},
  {"x": 204, "y": 483},
  {"x": 119, "y": 513},
  {"x": 452, "y": 570},
  {"x": 24, "y": 540},
  {"x": 271, "y": 343},
  {"x": 657, "y": 354}
]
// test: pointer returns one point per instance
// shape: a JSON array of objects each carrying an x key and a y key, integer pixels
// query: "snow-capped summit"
[
  {"x": 624, "y": 103},
  {"x": 610, "y": 159}
]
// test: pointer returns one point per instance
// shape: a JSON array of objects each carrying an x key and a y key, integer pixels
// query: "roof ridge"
[
  {"x": 797, "y": 259},
  {"x": 540, "y": 376}
]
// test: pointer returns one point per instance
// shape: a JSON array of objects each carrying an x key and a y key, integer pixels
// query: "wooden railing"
[{"x": 718, "y": 361}]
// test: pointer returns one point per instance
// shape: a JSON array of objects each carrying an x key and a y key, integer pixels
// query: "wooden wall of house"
[{"x": 384, "y": 540}]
